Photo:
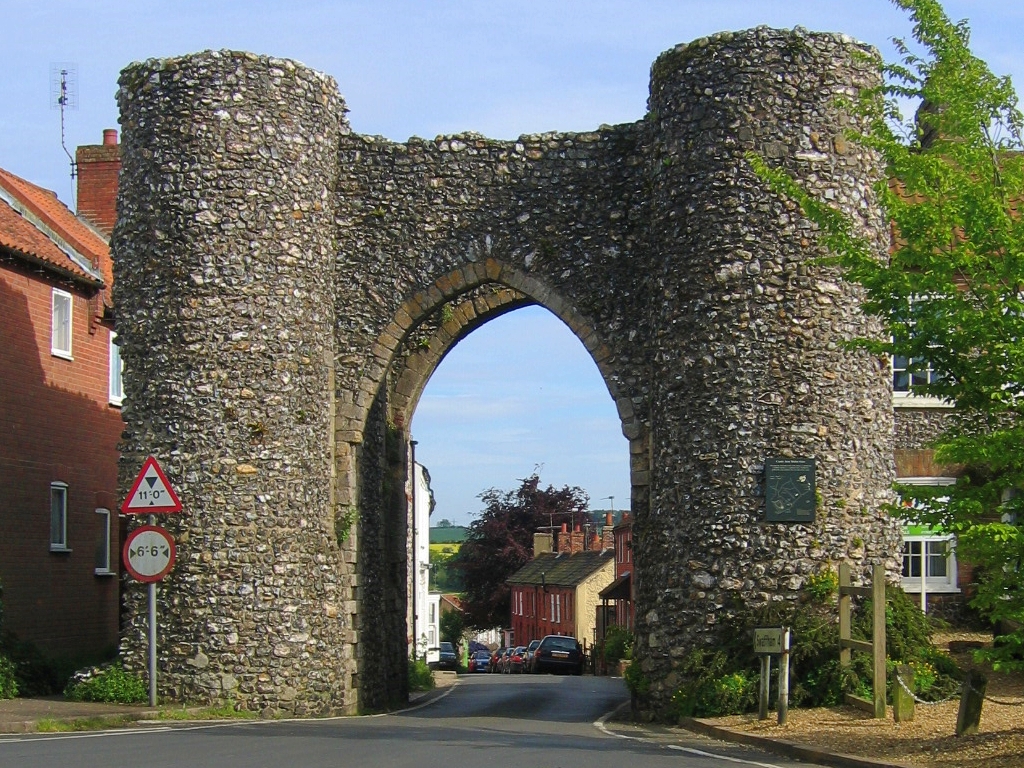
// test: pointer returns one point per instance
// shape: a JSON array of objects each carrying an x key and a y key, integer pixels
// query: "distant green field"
[{"x": 442, "y": 578}]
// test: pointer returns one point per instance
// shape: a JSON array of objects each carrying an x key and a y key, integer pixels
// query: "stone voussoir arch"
[{"x": 519, "y": 290}]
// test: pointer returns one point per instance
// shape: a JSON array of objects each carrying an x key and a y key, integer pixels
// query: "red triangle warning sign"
[{"x": 151, "y": 493}]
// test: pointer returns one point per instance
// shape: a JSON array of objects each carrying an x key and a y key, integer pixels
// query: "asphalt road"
[{"x": 486, "y": 720}]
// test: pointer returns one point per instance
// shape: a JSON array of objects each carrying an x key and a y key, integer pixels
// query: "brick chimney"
[
  {"x": 571, "y": 543},
  {"x": 608, "y": 532},
  {"x": 98, "y": 169}
]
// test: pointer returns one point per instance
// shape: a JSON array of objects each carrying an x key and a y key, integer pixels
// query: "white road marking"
[{"x": 600, "y": 725}]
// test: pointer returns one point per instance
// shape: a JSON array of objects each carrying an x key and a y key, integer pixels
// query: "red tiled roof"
[
  {"x": 453, "y": 599},
  {"x": 29, "y": 217}
]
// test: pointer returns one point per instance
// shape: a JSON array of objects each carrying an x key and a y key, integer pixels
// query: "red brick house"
[
  {"x": 617, "y": 597},
  {"x": 556, "y": 593},
  {"x": 60, "y": 415}
]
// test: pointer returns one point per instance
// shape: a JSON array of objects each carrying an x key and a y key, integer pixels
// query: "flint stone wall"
[{"x": 286, "y": 287}]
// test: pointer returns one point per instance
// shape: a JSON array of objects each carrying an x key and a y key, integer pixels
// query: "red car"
[
  {"x": 514, "y": 662},
  {"x": 496, "y": 659}
]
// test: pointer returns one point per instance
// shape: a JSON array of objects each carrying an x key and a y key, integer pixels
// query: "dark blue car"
[
  {"x": 447, "y": 658},
  {"x": 480, "y": 662}
]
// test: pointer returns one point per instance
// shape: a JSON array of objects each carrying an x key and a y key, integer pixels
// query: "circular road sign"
[{"x": 149, "y": 553}]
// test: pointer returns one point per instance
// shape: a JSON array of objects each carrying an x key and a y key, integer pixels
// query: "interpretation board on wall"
[{"x": 790, "y": 495}]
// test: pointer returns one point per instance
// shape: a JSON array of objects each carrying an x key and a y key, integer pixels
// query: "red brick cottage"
[
  {"x": 556, "y": 593},
  {"x": 60, "y": 415}
]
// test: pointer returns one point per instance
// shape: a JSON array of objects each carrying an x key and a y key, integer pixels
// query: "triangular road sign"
[{"x": 151, "y": 493}]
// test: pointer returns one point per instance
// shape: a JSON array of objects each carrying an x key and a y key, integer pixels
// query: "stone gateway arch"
[{"x": 285, "y": 288}]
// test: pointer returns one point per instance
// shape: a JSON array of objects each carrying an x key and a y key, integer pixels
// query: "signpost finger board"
[
  {"x": 149, "y": 553},
  {"x": 151, "y": 493}
]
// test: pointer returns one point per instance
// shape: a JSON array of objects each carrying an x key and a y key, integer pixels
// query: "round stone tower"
[
  {"x": 749, "y": 356},
  {"x": 225, "y": 317}
]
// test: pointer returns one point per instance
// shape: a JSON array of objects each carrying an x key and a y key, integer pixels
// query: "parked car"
[
  {"x": 480, "y": 662},
  {"x": 503, "y": 660},
  {"x": 559, "y": 654},
  {"x": 447, "y": 658},
  {"x": 528, "y": 655},
  {"x": 496, "y": 659},
  {"x": 515, "y": 660}
]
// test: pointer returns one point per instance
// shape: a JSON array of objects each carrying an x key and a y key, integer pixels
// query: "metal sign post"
[
  {"x": 152, "y": 634},
  {"x": 149, "y": 551},
  {"x": 149, "y": 556}
]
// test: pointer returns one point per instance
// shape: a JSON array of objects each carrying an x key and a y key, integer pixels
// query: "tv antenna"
[{"x": 64, "y": 96}]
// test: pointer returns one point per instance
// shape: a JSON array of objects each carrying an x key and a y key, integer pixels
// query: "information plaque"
[{"x": 789, "y": 490}]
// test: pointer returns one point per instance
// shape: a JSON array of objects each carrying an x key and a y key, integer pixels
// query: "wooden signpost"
[{"x": 769, "y": 641}]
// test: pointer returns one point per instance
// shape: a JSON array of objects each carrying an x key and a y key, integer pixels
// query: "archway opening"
[{"x": 518, "y": 396}]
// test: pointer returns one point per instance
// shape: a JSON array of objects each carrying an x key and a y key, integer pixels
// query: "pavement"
[{"x": 25, "y": 715}]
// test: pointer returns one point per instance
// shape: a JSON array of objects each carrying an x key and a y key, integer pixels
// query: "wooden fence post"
[
  {"x": 968, "y": 717},
  {"x": 902, "y": 701},
  {"x": 877, "y": 645},
  {"x": 878, "y": 635}
]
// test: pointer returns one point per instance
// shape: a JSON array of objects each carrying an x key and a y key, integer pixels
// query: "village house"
[
  {"x": 557, "y": 592},
  {"x": 60, "y": 418}
]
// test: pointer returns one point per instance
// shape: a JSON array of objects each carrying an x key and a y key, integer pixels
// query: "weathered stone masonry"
[{"x": 286, "y": 287}]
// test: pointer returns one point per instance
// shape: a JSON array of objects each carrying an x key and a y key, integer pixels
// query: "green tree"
[
  {"x": 453, "y": 624},
  {"x": 444, "y": 577},
  {"x": 500, "y": 542},
  {"x": 951, "y": 294}
]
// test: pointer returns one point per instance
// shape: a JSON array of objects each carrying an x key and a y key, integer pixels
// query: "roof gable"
[
  {"x": 37, "y": 227},
  {"x": 562, "y": 569}
]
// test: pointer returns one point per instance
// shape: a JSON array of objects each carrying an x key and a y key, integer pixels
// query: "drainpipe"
[{"x": 415, "y": 559}]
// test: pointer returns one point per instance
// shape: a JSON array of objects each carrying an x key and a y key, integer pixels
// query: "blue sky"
[{"x": 521, "y": 392}]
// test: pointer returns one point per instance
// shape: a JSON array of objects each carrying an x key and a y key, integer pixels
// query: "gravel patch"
[{"x": 929, "y": 740}]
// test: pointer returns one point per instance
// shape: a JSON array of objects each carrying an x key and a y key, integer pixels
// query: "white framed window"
[
  {"x": 910, "y": 374},
  {"x": 60, "y": 331},
  {"x": 929, "y": 560},
  {"x": 116, "y": 393},
  {"x": 102, "y": 564},
  {"x": 59, "y": 517},
  {"x": 929, "y": 556}
]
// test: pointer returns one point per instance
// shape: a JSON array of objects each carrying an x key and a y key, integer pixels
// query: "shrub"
[
  {"x": 108, "y": 683},
  {"x": 37, "y": 674},
  {"x": 8, "y": 678},
  {"x": 724, "y": 681},
  {"x": 618, "y": 645},
  {"x": 636, "y": 680},
  {"x": 728, "y": 695},
  {"x": 421, "y": 678},
  {"x": 822, "y": 586}
]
